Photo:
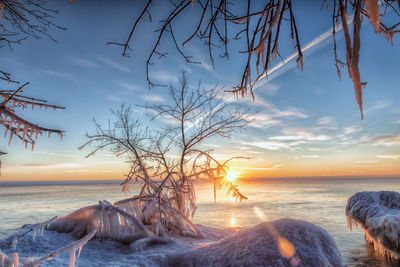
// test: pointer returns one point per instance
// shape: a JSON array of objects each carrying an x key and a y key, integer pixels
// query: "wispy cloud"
[
  {"x": 114, "y": 64},
  {"x": 302, "y": 136},
  {"x": 366, "y": 161},
  {"x": 388, "y": 157},
  {"x": 309, "y": 156},
  {"x": 58, "y": 74},
  {"x": 274, "y": 167},
  {"x": 378, "y": 106},
  {"x": 328, "y": 120},
  {"x": 126, "y": 85},
  {"x": 83, "y": 62},
  {"x": 152, "y": 98},
  {"x": 51, "y": 165},
  {"x": 269, "y": 145},
  {"x": 390, "y": 139},
  {"x": 164, "y": 76}
]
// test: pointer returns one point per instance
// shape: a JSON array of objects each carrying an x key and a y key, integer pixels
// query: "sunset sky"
[{"x": 307, "y": 123}]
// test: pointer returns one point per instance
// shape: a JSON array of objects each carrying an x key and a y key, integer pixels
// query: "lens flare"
[{"x": 231, "y": 176}]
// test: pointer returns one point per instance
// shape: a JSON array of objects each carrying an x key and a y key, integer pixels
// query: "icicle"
[
  {"x": 11, "y": 123},
  {"x": 11, "y": 136},
  {"x": 4, "y": 120},
  {"x": 14, "y": 260},
  {"x": 373, "y": 12},
  {"x": 24, "y": 132},
  {"x": 33, "y": 145},
  {"x": 33, "y": 105},
  {"x": 26, "y": 144},
  {"x": 31, "y": 133},
  {"x": 37, "y": 131},
  {"x": 71, "y": 258},
  {"x": 18, "y": 127},
  {"x": 49, "y": 134},
  {"x": 5, "y": 133},
  {"x": 14, "y": 243}
]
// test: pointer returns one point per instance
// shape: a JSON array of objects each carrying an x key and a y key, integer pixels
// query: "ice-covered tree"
[{"x": 166, "y": 161}]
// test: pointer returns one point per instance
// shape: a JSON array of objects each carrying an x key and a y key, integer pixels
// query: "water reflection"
[{"x": 233, "y": 221}]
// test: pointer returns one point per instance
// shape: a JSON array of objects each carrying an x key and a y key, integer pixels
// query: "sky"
[{"x": 307, "y": 123}]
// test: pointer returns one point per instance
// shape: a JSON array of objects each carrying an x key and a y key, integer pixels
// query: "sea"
[{"x": 321, "y": 201}]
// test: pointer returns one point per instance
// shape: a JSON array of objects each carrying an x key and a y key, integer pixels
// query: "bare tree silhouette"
[{"x": 258, "y": 25}]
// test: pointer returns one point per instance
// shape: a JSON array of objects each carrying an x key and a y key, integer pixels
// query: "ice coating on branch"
[
  {"x": 124, "y": 221},
  {"x": 373, "y": 13},
  {"x": 378, "y": 214},
  {"x": 261, "y": 246}
]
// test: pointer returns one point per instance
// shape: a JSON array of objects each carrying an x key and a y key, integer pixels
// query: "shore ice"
[
  {"x": 256, "y": 246},
  {"x": 378, "y": 214}
]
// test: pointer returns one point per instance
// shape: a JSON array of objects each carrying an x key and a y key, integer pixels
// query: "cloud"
[
  {"x": 58, "y": 74},
  {"x": 378, "y": 106},
  {"x": 328, "y": 120},
  {"x": 366, "y": 161},
  {"x": 274, "y": 167},
  {"x": 301, "y": 136},
  {"x": 83, "y": 62},
  {"x": 309, "y": 156},
  {"x": 270, "y": 145},
  {"x": 52, "y": 165},
  {"x": 126, "y": 85},
  {"x": 152, "y": 98},
  {"x": 115, "y": 64},
  {"x": 165, "y": 77},
  {"x": 394, "y": 157},
  {"x": 271, "y": 89},
  {"x": 391, "y": 139}
]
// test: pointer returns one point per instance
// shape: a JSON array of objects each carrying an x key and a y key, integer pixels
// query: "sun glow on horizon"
[{"x": 231, "y": 176}]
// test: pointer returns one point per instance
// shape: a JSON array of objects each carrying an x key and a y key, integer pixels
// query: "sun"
[{"x": 231, "y": 176}]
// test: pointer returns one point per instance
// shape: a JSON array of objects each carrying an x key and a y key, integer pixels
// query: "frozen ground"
[
  {"x": 378, "y": 214},
  {"x": 282, "y": 242}
]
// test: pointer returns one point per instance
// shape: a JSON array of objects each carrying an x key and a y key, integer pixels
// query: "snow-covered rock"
[
  {"x": 283, "y": 242},
  {"x": 378, "y": 214}
]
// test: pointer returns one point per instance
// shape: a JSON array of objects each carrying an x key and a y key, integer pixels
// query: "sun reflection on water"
[{"x": 233, "y": 221}]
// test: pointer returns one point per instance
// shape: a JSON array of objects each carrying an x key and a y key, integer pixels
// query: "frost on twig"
[
  {"x": 73, "y": 249},
  {"x": 12, "y": 240}
]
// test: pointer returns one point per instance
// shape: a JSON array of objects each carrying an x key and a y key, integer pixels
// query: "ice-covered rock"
[
  {"x": 283, "y": 242},
  {"x": 378, "y": 214}
]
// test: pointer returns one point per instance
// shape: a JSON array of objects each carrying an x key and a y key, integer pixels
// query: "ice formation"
[
  {"x": 378, "y": 214},
  {"x": 284, "y": 242},
  {"x": 304, "y": 244}
]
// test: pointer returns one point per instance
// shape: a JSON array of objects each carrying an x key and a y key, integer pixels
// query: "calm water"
[{"x": 320, "y": 201}]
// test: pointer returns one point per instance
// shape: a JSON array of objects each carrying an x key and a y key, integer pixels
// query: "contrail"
[
  {"x": 281, "y": 64},
  {"x": 308, "y": 46}
]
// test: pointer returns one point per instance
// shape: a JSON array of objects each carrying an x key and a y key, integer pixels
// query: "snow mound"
[
  {"x": 378, "y": 214},
  {"x": 284, "y": 242}
]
